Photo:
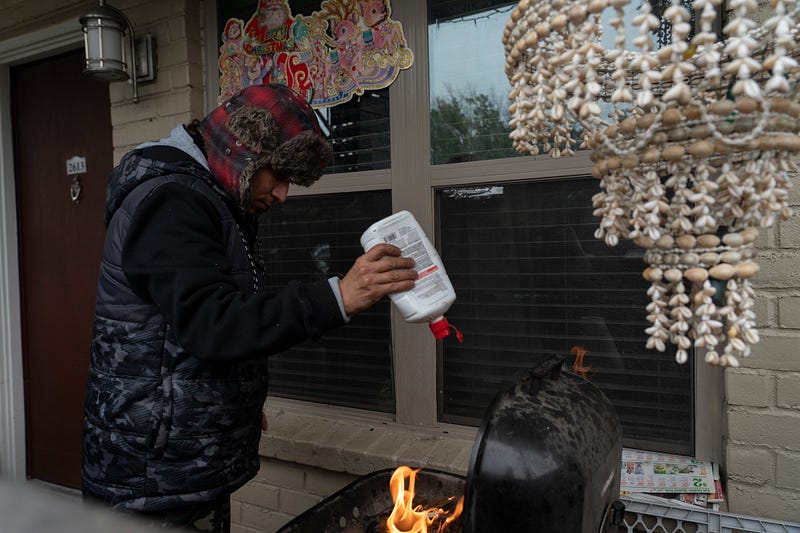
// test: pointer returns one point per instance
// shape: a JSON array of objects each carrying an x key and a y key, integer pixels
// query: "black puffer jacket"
[{"x": 178, "y": 373}]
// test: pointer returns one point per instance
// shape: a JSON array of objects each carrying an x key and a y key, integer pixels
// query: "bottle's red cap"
[{"x": 441, "y": 329}]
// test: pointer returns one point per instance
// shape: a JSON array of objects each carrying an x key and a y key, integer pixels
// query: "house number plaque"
[{"x": 75, "y": 167}]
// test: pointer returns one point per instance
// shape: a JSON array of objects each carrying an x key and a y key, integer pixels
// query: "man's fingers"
[
  {"x": 395, "y": 263},
  {"x": 386, "y": 277},
  {"x": 386, "y": 257},
  {"x": 382, "y": 250},
  {"x": 380, "y": 271},
  {"x": 401, "y": 286}
]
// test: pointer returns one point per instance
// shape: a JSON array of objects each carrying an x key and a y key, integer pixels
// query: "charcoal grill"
[
  {"x": 361, "y": 505},
  {"x": 546, "y": 459}
]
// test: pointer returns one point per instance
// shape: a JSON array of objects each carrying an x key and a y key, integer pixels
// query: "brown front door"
[{"x": 58, "y": 114}]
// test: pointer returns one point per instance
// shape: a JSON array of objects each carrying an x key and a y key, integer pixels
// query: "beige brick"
[
  {"x": 360, "y": 463},
  {"x": 765, "y": 428},
  {"x": 789, "y": 232},
  {"x": 450, "y": 454},
  {"x": 236, "y": 527},
  {"x": 788, "y": 471},
  {"x": 322, "y": 482},
  {"x": 294, "y": 502},
  {"x": 258, "y": 494},
  {"x": 236, "y": 510},
  {"x": 767, "y": 238},
  {"x": 116, "y": 92},
  {"x": 778, "y": 270},
  {"x": 774, "y": 352},
  {"x": 748, "y": 388},
  {"x": 360, "y": 437},
  {"x": 749, "y": 464},
  {"x": 140, "y": 132},
  {"x": 388, "y": 444},
  {"x": 128, "y": 112},
  {"x": 761, "y": 307},
  {"x": 789, "y": 312},
  {"x": 186, "y": 75},
  {"x": 788, "y": 392},
  {"x": 776, "y": 504},
  {"x": 284, "y": 424},
  {"x": 263, "y": 520},
  {"x": 152, "y": 89},
  {"x": 173, "y": 53},
  {"x": 177, "y": 28},
  {"x": 281, "y": 474},
  {"x": 289, "y": 450},
  {"x": 319, "y": 431},
  {"x": 417, "y": 449},
  {"x": 177, "y": 101},
  {"x": 159, "y": 32},
  {"x": 794, "y": 193},
  {"x": 155, "y": 12}
]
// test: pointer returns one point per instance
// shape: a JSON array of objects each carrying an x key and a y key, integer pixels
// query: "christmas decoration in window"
[{"x": 345, "y": 48}]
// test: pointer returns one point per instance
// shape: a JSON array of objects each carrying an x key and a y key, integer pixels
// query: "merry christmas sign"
[{"x": 345, "y": 48}]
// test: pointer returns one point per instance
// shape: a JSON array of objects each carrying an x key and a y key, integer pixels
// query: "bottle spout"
[{"x": 441, "y": 328}]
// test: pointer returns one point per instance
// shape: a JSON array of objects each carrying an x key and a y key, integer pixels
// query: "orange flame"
[
  {"x": 578, "y": 366},
  {"x": 407, "y": 518}
]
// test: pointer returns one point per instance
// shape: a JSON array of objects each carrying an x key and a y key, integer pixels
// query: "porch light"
[{"x": 104, "y": 34}]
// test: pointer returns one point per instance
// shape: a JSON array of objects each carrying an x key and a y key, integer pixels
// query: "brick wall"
[
  {"x": 178, "y": 93},
  {"x": 281, "y": 491},
  {"x": 763, "y": 397}
]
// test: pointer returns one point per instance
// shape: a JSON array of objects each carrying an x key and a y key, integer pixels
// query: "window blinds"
[
  {"x": 313, "y": 238},
  {"x": 531, "y": 280}
]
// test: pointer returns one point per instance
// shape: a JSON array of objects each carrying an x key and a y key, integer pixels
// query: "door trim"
[{"x": 22, "y": 49}]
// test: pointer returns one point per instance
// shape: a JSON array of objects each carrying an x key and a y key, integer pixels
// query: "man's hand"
[{"x": 375, "y": 274}]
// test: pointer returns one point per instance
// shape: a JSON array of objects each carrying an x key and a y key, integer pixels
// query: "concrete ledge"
[{"x": 346, "y": 440}]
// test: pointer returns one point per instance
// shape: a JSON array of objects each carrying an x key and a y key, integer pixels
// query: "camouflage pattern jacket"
[{"x": 178, "y": 371}]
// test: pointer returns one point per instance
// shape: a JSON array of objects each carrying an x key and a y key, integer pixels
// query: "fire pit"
[{"x": 546, "y": 460}]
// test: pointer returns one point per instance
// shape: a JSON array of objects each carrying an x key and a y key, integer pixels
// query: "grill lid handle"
[{"x": 549, "y": 367}]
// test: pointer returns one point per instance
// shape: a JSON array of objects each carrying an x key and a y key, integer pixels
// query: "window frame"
[{"x": 412, "y": 181}]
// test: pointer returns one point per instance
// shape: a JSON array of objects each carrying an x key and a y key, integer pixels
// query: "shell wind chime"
[{"x": 692, "y": 143}]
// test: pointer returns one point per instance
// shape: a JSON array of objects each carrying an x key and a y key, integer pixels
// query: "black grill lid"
[{"x": 546, "y": 458}]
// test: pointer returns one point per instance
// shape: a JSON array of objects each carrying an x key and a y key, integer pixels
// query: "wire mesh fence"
[{"x": 649, "y": 517}]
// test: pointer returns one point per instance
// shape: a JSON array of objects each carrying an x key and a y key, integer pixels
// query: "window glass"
[
  {"x": 531, "y": 280},
  {"x": 357, "y": 129},
  {"x": 468, "y": 86},
  {"x": 312, "y": 238}
]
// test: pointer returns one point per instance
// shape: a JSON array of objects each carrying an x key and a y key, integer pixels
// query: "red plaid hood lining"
[{"x": 242, "y": 133}]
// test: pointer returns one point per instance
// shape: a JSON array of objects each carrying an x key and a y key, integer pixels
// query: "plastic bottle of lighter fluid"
[{"x": 433, "y": 293}]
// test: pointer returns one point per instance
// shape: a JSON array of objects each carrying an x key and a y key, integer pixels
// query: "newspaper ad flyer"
[{"x": 652, "y": 472}]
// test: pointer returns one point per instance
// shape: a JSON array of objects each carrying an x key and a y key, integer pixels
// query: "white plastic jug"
[{"x": 433, "y": 294}]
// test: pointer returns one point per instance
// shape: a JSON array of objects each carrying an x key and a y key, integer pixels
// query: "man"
[{"x": 178, "y": 372}]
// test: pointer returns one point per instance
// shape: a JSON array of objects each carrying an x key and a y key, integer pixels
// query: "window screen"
[
  {"x": 531, "y": 280},
  {"x": 358, "y": 129},
  {"x": 312, "y": 238}
]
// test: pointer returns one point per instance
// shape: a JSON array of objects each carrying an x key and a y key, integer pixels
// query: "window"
[
  {"x": 531, "y": 278},
  {"x": 469, "y": 97},
  {"x": 313, "y": 238},
  {"x": 532, "y": 282},
  {"x": 515, "y": 234}
]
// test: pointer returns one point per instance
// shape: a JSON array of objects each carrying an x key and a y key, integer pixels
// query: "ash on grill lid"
[{"x": 546, "y": 458}]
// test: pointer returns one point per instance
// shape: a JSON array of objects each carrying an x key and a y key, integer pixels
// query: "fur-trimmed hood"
[{"x": 264, "y": 125}]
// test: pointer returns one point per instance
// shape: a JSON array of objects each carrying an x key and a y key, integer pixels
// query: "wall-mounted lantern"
[{"x": 104, "y": 30}]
